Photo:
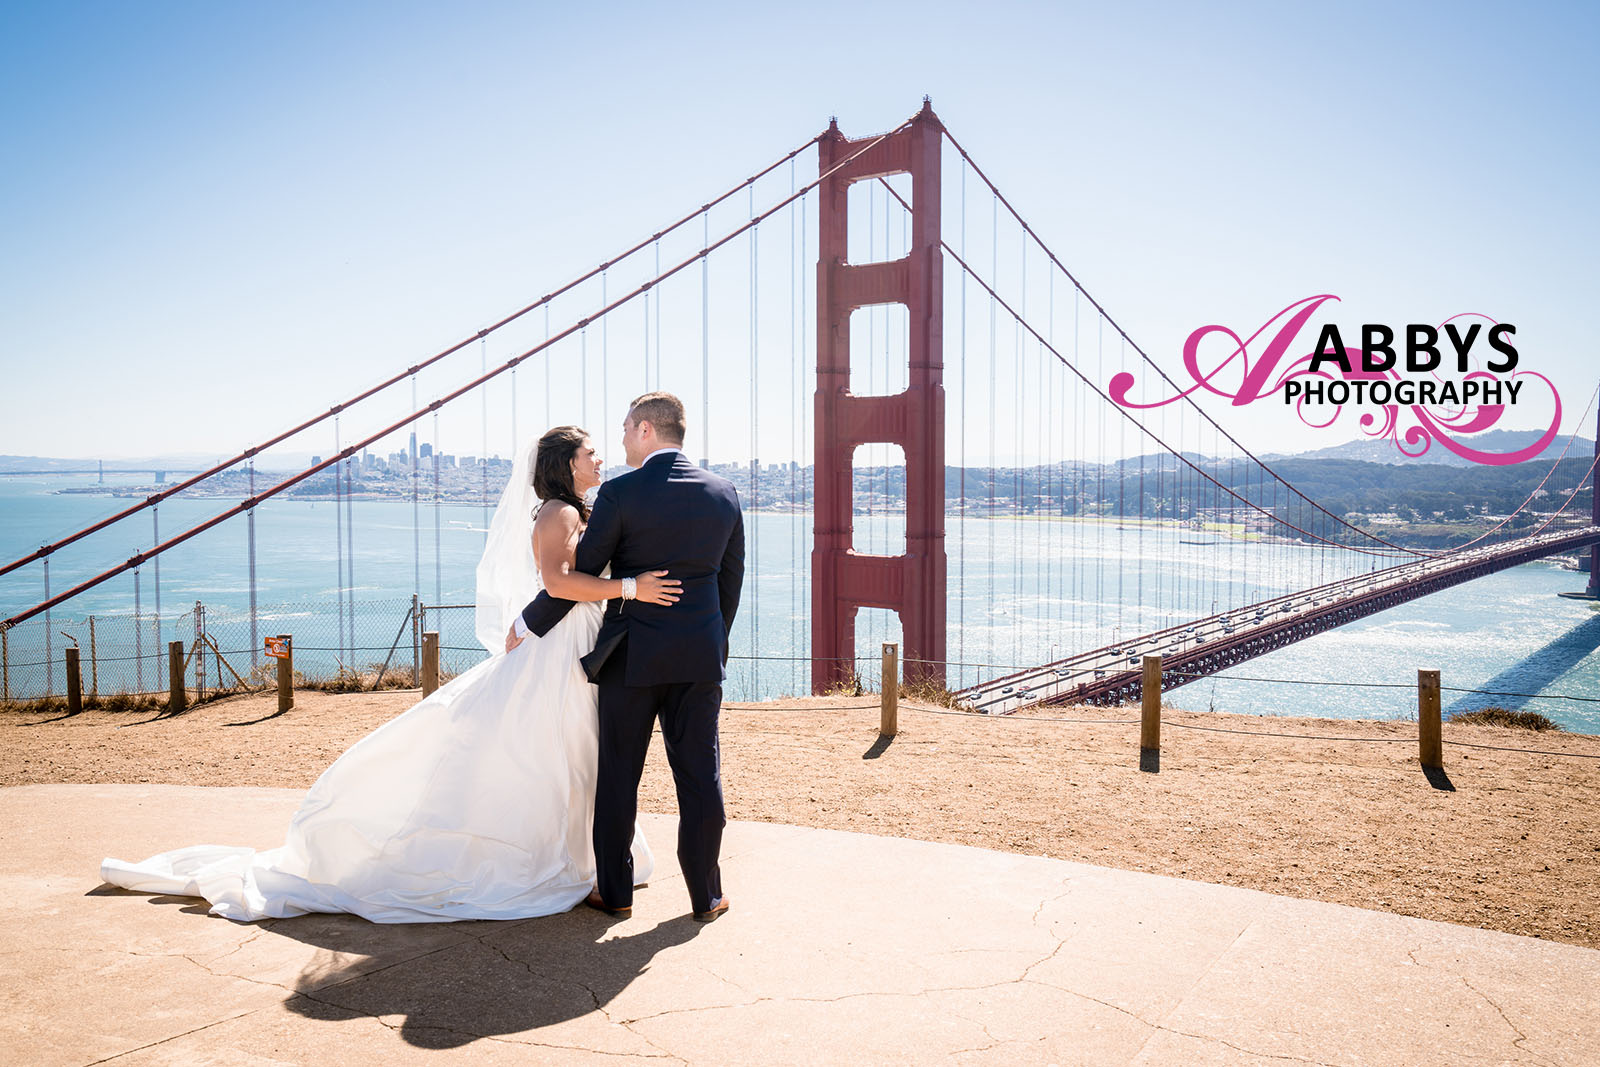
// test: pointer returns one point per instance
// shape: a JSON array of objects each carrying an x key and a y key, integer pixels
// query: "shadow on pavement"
[
  {"x": 455, "y": 983},
  {"x": 504, "y": 978}
]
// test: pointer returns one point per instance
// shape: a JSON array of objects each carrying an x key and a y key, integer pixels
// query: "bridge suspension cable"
[
  {"x": 1534, "y": 493},
  {"x": 1177, "y": 453},
  {"x": 1587, "y": 474},
  {"x": 1032, "y": 234},
  {"x": 345, "y": 453},
  {"x": 1019, "y": 314},
  {"x": 410, "y": 372}
]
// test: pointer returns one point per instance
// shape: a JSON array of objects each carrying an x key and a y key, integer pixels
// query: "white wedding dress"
[{"x": 477, "y": 803}]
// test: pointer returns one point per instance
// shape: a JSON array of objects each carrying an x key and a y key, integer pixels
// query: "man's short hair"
[{"x": 661, "y": 410}]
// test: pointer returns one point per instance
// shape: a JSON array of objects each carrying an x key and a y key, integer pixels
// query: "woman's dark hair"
[{"x": 552, "y": 467}]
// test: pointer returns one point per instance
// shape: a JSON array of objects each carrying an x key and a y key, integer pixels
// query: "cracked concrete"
[{"x": 841, "y": 948}]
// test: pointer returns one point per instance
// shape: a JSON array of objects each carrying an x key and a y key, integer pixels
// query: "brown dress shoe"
[
  {"x": 594, "y": 901},
  {"x": 718, "y": 906}
]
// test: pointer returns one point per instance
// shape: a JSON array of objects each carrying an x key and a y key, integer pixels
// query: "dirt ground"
[{"x": 1336, "y": 811}]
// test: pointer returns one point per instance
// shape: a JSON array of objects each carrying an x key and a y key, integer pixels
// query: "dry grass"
[
  {"x": 116, "y": 702},
  {"x": 930, "y": 691},
  {"x": 1512, "y": 720},
  {"x": 365, "y": 680}
]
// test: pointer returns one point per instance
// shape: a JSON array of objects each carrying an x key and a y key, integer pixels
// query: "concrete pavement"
[{"x": 840, "y": 948}]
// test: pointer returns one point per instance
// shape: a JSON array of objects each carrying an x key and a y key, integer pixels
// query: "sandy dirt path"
[{"x": 1510, "y": 842}]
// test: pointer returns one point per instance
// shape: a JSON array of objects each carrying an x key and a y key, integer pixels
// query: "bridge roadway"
[{"x": 1114, "y": 674}]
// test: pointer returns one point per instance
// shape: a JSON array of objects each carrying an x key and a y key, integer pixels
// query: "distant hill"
[
  {"x": 193, "y": 461},
  {"x": 1501, "y": 441}
]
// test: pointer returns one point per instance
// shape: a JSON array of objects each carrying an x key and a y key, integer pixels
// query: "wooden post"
[
  {"x": 1430, "y": 742},
  {"x": 1150, "y": 715},
  {"x": 286, "y": 675},
  {"x": 199, "y": 650},
  {"x": 177, "y": 699},
  {"x": 430, "y": 661},
  {"x": 74, "y": 682},
  {"x": 94, "y": 663},
  {"x": 889, "y": 714},
  {"x": 416, "y": 639}
]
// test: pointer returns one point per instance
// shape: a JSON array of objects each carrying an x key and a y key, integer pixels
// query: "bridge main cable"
[
  {"x": 1177, "y": 453},
  {"x": 1535, "y": 491},
  {"x": 1154, "y": 366},
  {"x": 140, "y": 558},
  {"x": 250, "y": 453}
]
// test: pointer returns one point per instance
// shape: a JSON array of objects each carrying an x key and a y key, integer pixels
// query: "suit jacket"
[{"x": 667, "y": 515}]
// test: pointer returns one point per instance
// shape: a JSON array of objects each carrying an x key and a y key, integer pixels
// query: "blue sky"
[{"x": 222, "y": 218}]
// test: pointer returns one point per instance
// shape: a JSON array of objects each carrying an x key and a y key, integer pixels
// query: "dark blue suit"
[{"x": 663, "y": 662}]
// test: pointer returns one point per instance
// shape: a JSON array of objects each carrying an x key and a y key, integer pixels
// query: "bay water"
[{"x": 1022, "y": 591}]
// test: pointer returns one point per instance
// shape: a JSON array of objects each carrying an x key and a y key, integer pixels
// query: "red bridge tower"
[{"x": 842, "y": 580}]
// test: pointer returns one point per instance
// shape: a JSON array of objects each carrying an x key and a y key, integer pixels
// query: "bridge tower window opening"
[
  {"x": 879, "y": 349},
  {"x": 879, "y": 479},
  {"x": 879, "y": 224}
]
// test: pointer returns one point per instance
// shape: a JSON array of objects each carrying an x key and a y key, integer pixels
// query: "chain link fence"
[
  {"x": 345, "y": 646},
  {"x": 459, "y": 650},
  {"x": 119, "y": 654},
  {"x": 359, "y": 645}
]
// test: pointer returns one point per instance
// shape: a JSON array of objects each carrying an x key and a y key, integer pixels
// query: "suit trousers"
[{"x": 688, "y": 714}]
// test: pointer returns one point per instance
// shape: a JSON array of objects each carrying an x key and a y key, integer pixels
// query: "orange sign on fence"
[{"x": 277, "y": 648}]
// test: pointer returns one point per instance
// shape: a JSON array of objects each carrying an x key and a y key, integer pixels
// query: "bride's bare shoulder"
[{"x": 556, "y": 515}]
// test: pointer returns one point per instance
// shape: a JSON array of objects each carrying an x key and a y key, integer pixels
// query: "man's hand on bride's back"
[{"x": 654, "y": 587}]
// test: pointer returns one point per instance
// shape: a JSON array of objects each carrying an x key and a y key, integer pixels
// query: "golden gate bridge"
[{"x": 929, "y": 318}]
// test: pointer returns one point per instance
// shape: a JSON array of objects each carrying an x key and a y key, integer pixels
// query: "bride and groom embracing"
[{"x": 511, "y": 792}]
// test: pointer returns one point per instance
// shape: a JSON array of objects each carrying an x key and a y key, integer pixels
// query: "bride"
[{"x": 478, "y": 802}]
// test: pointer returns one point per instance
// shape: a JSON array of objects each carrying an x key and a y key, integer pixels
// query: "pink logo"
[{"x": 1441, "y": 409}]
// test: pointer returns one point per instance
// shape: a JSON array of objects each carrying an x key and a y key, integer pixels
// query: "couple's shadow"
[{"x": 454, "y": 983}]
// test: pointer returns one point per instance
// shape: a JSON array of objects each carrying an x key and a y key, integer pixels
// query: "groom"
[{"x": 660, "y": 661}]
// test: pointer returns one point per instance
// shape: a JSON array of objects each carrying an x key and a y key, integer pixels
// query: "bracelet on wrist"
[{"x": 630, "y": 588}]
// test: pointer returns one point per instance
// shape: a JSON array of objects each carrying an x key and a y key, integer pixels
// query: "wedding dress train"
[{"x": 477, "y": 803}]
